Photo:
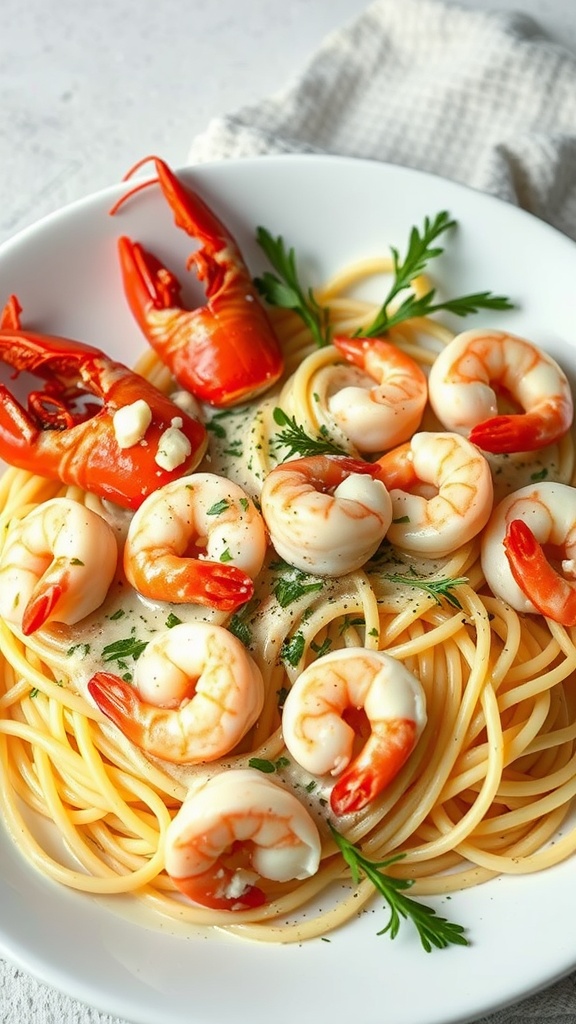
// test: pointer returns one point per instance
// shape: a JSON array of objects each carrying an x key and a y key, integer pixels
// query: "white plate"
[{"x": 332, "y": 210}]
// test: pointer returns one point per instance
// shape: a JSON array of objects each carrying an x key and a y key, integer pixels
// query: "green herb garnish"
[
  {"x": 119, "y": 650},
  {"x": 268, "y": 767},
  {"x": 262, "y": 765},
  {"x": 84, "y": 648},
  {"x": 241, "y": 630},
  {"x": 438, "y": 589},
  {"x": 286, "y": 291},
  {"x": 218, "y": 508},
  {"x": 238, "y": 624},
  {"x": 293, "y": 585},
  {"x": 293, "y": 648},
  {"x": 420, "y": 252},
  {"x": 321, "y": 649},
  {"x": 298, "y": 442},
  {"x": 349, "y": 623},
  {"x": 434, "y": 931}
]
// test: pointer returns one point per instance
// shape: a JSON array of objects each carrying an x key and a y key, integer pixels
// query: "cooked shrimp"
[
  {"x": 469, "y": 373},
  {"x": 321, "y": 741},
  {"x": 240, "y": 825},
  {"x": 56, "y": 565},
  {"x": 199, "y": 540},
  {"x": 325, "y": 514},
  {"x": 441, "y": 490},
  {"x": 197, "y": 692},
  {"x": 380, "y": 417},
  {"x": 524, "y": 528}
]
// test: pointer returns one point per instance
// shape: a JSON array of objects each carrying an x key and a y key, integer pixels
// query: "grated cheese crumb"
[
  {"x": 131, "y": 422},
  {"x": 173, "y": 446}
]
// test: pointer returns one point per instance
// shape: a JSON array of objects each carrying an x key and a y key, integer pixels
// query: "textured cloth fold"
[{"x": 480, "y": 98}]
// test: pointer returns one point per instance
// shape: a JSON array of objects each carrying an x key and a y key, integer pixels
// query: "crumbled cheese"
[
  {"x": 185, "y": 401},
  {"x": 131, "y": 422},
  {"x": 173, "y": 446},
  {"x": 241, "y": 881}
]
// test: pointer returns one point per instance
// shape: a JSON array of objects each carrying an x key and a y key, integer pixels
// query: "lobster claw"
[
  {"x": 224, "y": 352},
  {"x": 70, "y": 431}
]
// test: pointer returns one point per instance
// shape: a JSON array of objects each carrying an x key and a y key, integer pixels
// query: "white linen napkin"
[{"x": 480, "y": 98}]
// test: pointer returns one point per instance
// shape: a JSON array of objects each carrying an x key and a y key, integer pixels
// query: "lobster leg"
[{"x": 17, "y": 430}]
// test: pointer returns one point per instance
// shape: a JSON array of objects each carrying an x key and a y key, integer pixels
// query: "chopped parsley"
[
  {"x": 293, "y": 648},
  {"x": 218, "y": 508},
  {"x": 293, "y": 584}
]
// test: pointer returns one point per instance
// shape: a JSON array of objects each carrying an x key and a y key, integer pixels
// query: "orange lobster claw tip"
[{"x": 224, "y": 352}]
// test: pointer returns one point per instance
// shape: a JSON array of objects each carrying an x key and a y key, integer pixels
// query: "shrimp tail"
[
  {"x": 147, "y": 726},
  {"x": 41, "y": 605},
  {"x": 549, "y": 592},
  {"x": 190, "y": 581},
  {"x": 521, "y": 545},
  {"x": 117, "y": 700},
  {"x": 376, "y": 766},
  {"x": 519, "y": 433},
  {"x": 224, "y": 587},
  {"x": 353, "y": 791},
  {"x": 213, "y": 888}
]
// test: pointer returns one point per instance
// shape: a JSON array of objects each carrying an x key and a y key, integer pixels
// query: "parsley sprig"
[
  {"x": 434, "y": 931},
  {"x": 286, "y": 291},
  {"x": 437, "y": 588},
  {"x": 419, "y": 253},
  {"x": 298, "y": 442}
]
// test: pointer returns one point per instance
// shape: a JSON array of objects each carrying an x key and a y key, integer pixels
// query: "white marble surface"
[{"x": 86, "y": 89}]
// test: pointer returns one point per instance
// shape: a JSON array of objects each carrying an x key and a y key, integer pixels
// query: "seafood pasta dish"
[{"x": 287, "y": 609}]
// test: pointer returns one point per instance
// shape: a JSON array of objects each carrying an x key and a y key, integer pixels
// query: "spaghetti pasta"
[{"x": 490, "y": 782}]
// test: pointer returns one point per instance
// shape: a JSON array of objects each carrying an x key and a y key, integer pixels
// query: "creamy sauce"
[
  {"x": 230, "y": 441},
  {"x": 111, "y": 638}
]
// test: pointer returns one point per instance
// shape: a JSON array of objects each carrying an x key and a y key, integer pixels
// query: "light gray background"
[{"x": 88, "y": 88}]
